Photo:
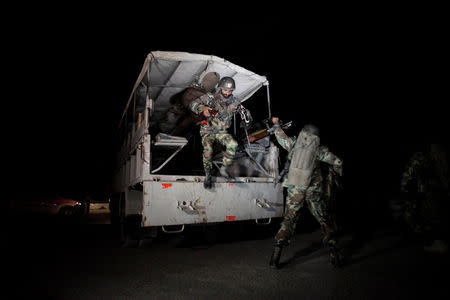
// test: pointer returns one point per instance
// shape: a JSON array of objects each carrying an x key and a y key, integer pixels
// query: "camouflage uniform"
[
  {"x": 426, "y": 179},
  {"x": 214, "y": 128},
  {"x": 297, "y": 196}
]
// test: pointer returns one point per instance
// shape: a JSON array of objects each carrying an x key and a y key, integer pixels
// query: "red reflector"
[
  {"x": 230, "y": 218},
  {"x": 204, "y": 122},
  {"x": 230, "y": 184},
  {"x": 166, "y": 185}
]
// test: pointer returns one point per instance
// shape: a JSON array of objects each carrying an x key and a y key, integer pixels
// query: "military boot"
[
  {"x": 207, "y": 184},
  {"x": 275, "y": 258}
]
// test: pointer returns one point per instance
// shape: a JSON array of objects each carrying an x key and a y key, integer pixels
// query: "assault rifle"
[
  {"x": 257, "y": 135},
  {"x": 245, "y": 114},
  {"x": 212, "y": 113},
  {"x": 283, "y": 172}
]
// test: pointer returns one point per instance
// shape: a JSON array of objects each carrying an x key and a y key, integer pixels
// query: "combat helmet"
[
  {"x": 310, "y": 128},
  {"x": 227, "y": 83}
]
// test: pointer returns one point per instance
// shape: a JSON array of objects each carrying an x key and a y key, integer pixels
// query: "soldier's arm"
[
  {"x": 229, "y": 110},
  {"x": 232, "y": 108},
  {"x": 282, "y": 138},
  {"x": 328, "y": 157},
  {"x": 199, "y": 104}
]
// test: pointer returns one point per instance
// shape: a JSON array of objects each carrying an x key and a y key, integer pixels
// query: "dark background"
[{"x": 372, "y": 80}]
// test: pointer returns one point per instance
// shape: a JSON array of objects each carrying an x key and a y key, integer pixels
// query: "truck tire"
[{"x": 130, "y": 231}]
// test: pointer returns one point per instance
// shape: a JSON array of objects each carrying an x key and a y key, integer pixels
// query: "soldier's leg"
[
  {"x": 294, "y": 201},
  {"x": 414, "y": 222},
  {"x": 230, "y": 147},
  {"x": 230, "y": 151},
  {"x": 207, "y": 143},
  {"x": 318, "y": 209}
]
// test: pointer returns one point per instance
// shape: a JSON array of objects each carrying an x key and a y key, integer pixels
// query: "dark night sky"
[{"x": 372, "y": 83}]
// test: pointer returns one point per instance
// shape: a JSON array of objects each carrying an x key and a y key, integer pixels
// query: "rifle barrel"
[{"x": 257, "y": 132}]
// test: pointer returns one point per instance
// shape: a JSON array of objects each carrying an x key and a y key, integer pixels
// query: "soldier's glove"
[
  {"x": 337, "y": 166},
  {"x": 273, "y": 128},
  {"x": 205, "y": 111}
]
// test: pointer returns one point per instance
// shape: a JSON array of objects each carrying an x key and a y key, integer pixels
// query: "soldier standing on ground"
[
  {"x": 218, "y": 110},
  {"x": 304, "y": 184},
  {"x": 425, "y": 184}
]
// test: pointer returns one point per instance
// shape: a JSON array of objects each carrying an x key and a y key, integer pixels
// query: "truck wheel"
[{"x": 130, "y": 233}]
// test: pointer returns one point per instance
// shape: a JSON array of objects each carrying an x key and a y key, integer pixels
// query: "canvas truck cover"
[{"x": 166, "y": 73}]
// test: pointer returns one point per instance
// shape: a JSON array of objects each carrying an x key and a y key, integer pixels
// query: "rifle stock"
[{"x": 257, "y": 135}]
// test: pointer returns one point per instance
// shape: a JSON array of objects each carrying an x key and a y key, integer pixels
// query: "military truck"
[{"x": 158, "y": 183}]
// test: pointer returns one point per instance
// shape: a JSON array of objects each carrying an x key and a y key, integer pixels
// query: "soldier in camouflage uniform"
[
  {"x": 218, "y": 110},
  {"x": 425, "y": 184},
  {"x": 304, "y": 184}
]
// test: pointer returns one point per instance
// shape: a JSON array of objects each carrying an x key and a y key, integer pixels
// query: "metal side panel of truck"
[
  {"x": 168, "y": 202},
  {"x": 157, "y": 182}
]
